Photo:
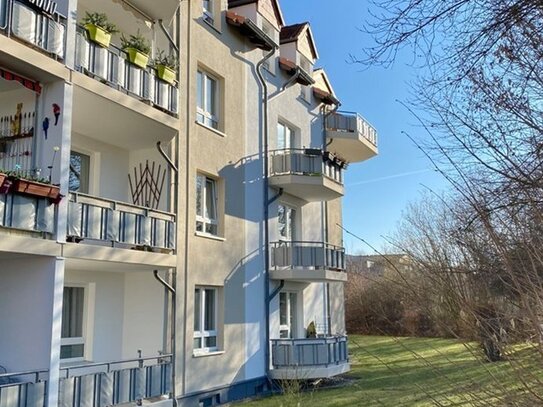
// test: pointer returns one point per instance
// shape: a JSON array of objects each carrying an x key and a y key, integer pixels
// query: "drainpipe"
[
  {"x": 266, "y": 201},
  {"x": 326, "y": 234}
]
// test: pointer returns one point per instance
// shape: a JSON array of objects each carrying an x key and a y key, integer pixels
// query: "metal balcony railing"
[
  {"x": 23, "y": 389},
  {"x": 117, "y": 382},
  {"x": 115, "y": 222},
  {"x": 33, "y": 26},
  {"x": 110, "y": 65},
  {"x": 352, "y": 122},
  {"x": 304, "y": 255},
  {"x": 308, "y": 161},
  {"x": 303, "y": 353},
  {"x": 27, "y": 213}
]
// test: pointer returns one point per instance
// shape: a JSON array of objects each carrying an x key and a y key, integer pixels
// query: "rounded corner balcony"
[
  {"x": 350, "y": 136},
  {"x": 307, "y": 262},
  {"x": 309, "y": 174},
  {"x": 309, "y": 358}
]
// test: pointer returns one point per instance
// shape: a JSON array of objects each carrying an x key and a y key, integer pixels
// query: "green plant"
[
  {"x": 100, "y": 20},
  {"x": 136, "y": 41},
  {"x": 169, "y": 60}
]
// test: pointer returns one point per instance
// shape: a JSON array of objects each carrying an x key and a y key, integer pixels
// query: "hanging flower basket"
[{"x": 33, "y": 188}]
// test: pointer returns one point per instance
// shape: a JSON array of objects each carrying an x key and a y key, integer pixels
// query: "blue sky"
[{"x": 379, "y": 189}]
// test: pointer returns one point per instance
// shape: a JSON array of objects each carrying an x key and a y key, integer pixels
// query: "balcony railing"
[
  {"x": 302, "y": 353},
  {"x": 307, "y": 255},
  {"x": 353, "y": 123},
  {"x": 110, "y": 65},
  {"x": 33, "y": 26},
  {"x": 27, "y": 213},
  {"x": 23, "y": 389},
  {"x": 119, "y": 223},
  {"x": 118, "y": 382},
  {"x": 309, "y": 162}
]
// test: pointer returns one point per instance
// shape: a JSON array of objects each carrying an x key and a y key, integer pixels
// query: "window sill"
[
  {"x": 196, "y": 354},
  {"x": 220, "y": 133},
  {"x": 210, "y": 236}
]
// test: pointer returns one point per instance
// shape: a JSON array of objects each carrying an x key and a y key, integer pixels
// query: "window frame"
[
  {"x": 209, "y": 119},
  {"x": 82, "y": 340},
  {"x": 289, "y": 140},
  {"x": 291, "y": 327},
  {"x": 207, "y": 12},
  {"x": 202, "y": 333},
  {"x": 290, "y": 223},
  {"x": 203, "y": 217}
]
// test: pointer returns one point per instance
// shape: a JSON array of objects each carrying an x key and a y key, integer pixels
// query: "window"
[
  {"x": 206, "y": 205},
  {"x": 287, "y": 314},
  {"x": 285, "y": 136},
  {"x": 208, "y": 100},
  {"x": 72, "y": 344},
  {"x": 79, "y": 172},
  {"x": 286, "y": 221},
  {"x": 205, "y": 319},
  {"x": 208, "y": 11}
]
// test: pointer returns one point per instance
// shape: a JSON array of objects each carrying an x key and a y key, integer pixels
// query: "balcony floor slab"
[
  {"x": 310, "y": 188},
  {"x": 309, "y": 275},
  {"x": 309, "y": 372},
  {"x": 350, "y": 146}
]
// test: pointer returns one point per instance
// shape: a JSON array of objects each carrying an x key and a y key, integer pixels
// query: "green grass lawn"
[{"x": 395, "y": 372}]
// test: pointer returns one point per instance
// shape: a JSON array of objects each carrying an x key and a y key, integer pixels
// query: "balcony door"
[
  {"x": 288, "y": 303},
  {"x": 79, "y": 172},
  {"x": 285, "y": 137},
  {"x": 286, "y": 222}
]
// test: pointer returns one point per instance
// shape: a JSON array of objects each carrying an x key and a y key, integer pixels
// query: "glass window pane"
[
  {"x": 281, "y": 144},
  {"x": 79, "y": 172},
  {"x": 200, "y": 90},
  {"x": 210, "y": 199},
  {"x": 291, "y": 223},
  {"x": 212, "y": 229},
  {"x": 197, "y": 343},
  {"x": 211, "y": 342},
  {"x": 197, "y": 314},
  {"x": 282, "y": 221},
  {"x": 209, "y": 318},
  {"x": 71, "y": 351},
  {"x": 211, "y": 96},
  {"x": 199, "y": 192},
  {"x": 283, "y": 309},
  {"x": 72, "y": 312}
]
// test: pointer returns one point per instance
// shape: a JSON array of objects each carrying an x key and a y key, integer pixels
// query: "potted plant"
[
  {"x": 99, "y": 28},
  {"x": 138, "y": 48},
  {"x": 166, "y": 66}
]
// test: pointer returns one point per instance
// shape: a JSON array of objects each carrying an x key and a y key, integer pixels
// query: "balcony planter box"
[
  {"x": 165, "y": 73},
  {"x": 98, "y": 35},
  {"x": 137, "y": 57},
  {"x": 5, "y": 184},
  {"x": 33, "y": 188}
]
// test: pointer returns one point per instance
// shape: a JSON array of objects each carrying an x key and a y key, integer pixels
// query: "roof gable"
[
  {"x": 322, "y": 81},
  {"x": 261, "y": 3},
  {"x": 297, "y": 33}
]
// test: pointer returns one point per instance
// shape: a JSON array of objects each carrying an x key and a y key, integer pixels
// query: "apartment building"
[{"x": 184, "y": 247}]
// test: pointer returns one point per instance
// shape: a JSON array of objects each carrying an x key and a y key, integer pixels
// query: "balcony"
[
  {"x": 305, "y": 359},
  {"x": 26, "y": 214},
  {"x": 35, "y": 26},
  {"x": 106, "y": 222},
  {"x": 117, "y": 382},
  {"x": 307, "y": 262},
  {"x": 23, "y": 389},
  {"x": 351, "y": 137},
  {"x": 308, "y": 174},
  {"x": 109, "y": 65}
]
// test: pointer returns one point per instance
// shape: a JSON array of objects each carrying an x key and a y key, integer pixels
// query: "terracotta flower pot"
[{"x": 33, "y": 188}]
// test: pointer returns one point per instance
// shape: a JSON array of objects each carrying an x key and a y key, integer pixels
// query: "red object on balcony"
[{"x": 27, "y": 187}]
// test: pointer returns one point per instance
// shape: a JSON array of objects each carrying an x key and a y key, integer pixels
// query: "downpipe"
[{"x": 266, "y": 203}]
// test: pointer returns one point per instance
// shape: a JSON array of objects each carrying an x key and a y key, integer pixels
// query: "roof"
[
  {"x": 322, "y": 73},
  {"x": 276, "y": 7},
  {"x": 293, "y": 32}
]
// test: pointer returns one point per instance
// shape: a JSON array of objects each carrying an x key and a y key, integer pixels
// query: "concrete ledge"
[
  {"x": 310, "y": 188},
  {"x": 29, "y": 245},
  {"x": 352, "y": 146}
]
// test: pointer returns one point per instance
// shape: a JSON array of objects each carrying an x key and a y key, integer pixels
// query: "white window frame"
[
  {"x": 87, "y": 326},
  {"x": 292, "y": 315},
  {"x": 208, "y": 14},
  {"x": 203, "y": 333},
  {"x": 210, "y": 119},
  {"x": 290, "y": 225},
  {"x": 204, "y": 217},
  {"x": 289, "y": 135}
]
